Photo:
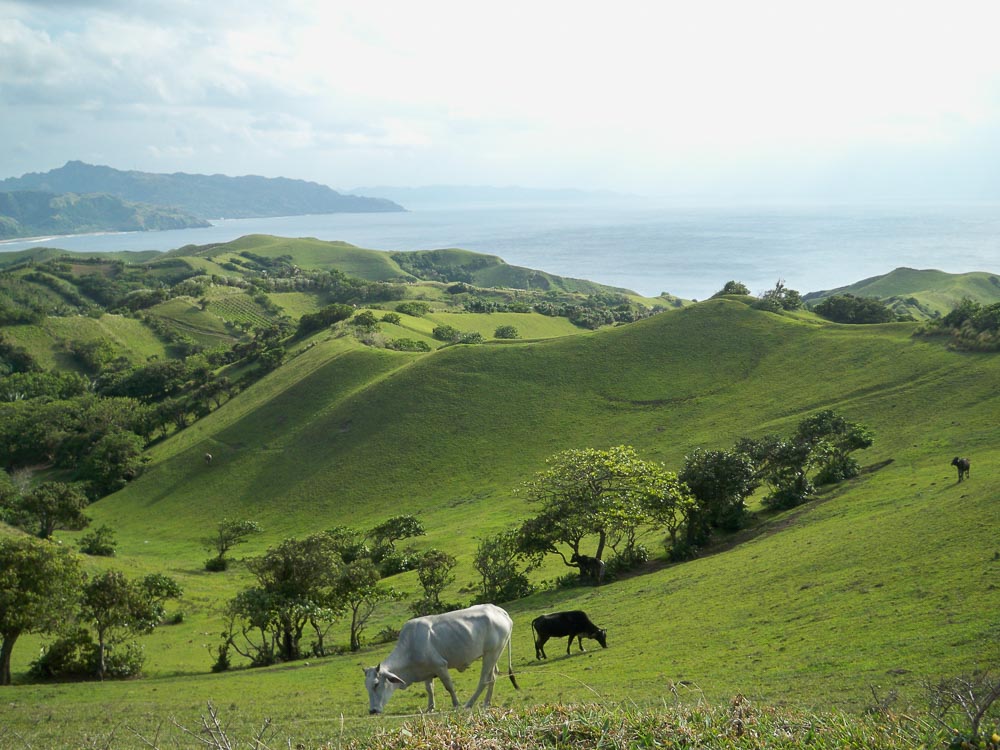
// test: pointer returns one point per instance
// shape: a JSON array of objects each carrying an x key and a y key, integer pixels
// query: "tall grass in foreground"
[{"x": 738, "y": 725}]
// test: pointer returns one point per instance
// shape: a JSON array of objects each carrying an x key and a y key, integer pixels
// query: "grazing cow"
[
  {"x": 590, "y": 567},
  {"x": 429, "y": 646},
  {"x": 963, "y": 467},
  {"x": 575, "y": 624},
  {"x": 208, "y": 458}
]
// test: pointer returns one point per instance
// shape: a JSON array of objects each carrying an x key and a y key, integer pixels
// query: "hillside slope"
[
  {"x": 888, "y": 580},
  {"x": 921, "y": 293}
]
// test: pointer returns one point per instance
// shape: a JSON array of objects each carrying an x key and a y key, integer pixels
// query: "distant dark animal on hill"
[
  {"x": 590, "y": 567},
  {"x": 208, "y": 458},
  {"x": 963, "y": 467},
  {"x": 575, "y": 624}
]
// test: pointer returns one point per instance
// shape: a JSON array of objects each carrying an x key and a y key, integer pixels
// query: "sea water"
[{"x": 685, "y": 251}]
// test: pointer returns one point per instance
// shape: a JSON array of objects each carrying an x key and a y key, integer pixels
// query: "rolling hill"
[
  {"x": 924, "y": 294},
  {"x": 881, "y": 584},
  {"x": 206, "y": 196}
]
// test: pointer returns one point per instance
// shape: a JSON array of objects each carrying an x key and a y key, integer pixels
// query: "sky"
[{"x": 708, "y": 100}]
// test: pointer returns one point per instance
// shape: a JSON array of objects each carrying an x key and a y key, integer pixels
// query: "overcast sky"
[{"x": 717, "y": 99}]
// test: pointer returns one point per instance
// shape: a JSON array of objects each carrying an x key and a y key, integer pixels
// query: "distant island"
[
  {"x": 33, "y": 213},
  {"x": 203, "y": 196}
]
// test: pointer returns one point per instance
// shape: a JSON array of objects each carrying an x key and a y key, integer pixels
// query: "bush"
[
  {"x": 627, "y": 560},
  {"x": 216, "y": 564},
  {"x": 506, "y": 332},
  {"x": 446, "y": 333},
  {"x": 416, "y": 309},
  {"x": 100, "y": 542},
  {"x": 392, "y": 318},
  {"x": 76, "y": 655},
  {"x": 407, "y": 345}
]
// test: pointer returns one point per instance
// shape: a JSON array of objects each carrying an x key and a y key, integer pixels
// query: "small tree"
[
  {"x": 732, "y": 287},
  {"x": 100, "y": 542},
  {"x": 51, "y": 506},
  {"x": 435, "y": 573},
  {"x": 39, "y": 590},
  {"x": 228, "y": 533},
  {"x": 504, "y": 565},
  {"x": 358, "y": 587},
  {"x": 779, "y": 298},
  {"x": 118, "y": 608},
  {"x": 720, "y": 481}
]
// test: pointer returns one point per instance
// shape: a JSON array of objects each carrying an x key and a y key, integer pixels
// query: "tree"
[
  {"x": 100, "y": 542},
  {"x": 51, "y": 506},
  {"x": 779, "y": 298},
  {"x": 118, "y": 607},
  {"x": 589, "y": 493},
  {"x": 832, "y": 439},
  {"x": 297, "y": 586},
  {"x": 115, "y": 460},
  {"x": 39, "y": 590},
  {"x": 228, "y": 533},
  {"x": 390, "y": 531},
  {"x": 358, "y": 587},
  {"x": 503, "y": 565},
  {"x": 721, "y": 481},
  {"x": 732, "y": 287},
  {"x": 435, "y": 573},
  {"x": 846, "y": 308}
]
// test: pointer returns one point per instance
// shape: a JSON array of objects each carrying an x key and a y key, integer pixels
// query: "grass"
[{"x": 884, "y": 582}]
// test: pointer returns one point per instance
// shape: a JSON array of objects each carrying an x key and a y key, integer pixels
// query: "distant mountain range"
[
  {"x": 32, "y": 213},
  {"x": 205, "y": 196},
  {"x": 465, "y": 194}
]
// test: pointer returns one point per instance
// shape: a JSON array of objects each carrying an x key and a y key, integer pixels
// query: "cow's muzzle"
[{"x": 373, "y": 711}]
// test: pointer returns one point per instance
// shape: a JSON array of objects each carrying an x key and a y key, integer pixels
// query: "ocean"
[{"x": 689, "y": 252}]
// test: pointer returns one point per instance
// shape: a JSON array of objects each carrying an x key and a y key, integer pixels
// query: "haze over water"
[{"x": 688, "y": 252}]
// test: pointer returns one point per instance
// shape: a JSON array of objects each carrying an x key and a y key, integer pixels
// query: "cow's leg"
[
  {"x": 579, "y": 638},
  {"x": 487, "y": 677},
  {"x": 445, "y": 678},
  {"x": 429, "y": 684},
  {"x": 540, "y": 647}
]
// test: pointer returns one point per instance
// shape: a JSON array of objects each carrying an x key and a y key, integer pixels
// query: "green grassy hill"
[
  {"x": 921, "y": 293},
  {"x": 880, "y": 584}
]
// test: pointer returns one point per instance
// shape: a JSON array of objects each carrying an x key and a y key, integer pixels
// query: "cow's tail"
[{"x": 510, "y": 662}]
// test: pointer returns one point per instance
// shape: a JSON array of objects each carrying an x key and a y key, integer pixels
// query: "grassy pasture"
[
  {"x": 47, "y": 341},
  {"x": 885, "y": 581}
]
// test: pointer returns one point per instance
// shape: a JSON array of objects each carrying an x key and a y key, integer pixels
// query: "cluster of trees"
[
  {"x": 971, "y": 326},
  {"x": 96, "y": 619},
  {"x": 303, "y": 587},
  {"x": 847, "y": 308},
  {"x": 598, "y": 503}
]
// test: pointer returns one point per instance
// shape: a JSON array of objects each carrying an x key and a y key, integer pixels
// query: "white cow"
[{"x": 429, "y": 645}]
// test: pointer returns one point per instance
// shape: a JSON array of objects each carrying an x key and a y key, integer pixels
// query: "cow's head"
[
  {"x": 380, "y": 683},
  {"x": 601, "y": 636}
]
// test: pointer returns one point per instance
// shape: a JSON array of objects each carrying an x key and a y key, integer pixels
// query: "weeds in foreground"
[{"x": 739, "y": 725}]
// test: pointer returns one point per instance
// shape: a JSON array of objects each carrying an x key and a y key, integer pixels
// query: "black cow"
[
  {"x": 590, "y": 567},
  {"x": 963, "y": 467},
  {"x": 575, "y": 624}
]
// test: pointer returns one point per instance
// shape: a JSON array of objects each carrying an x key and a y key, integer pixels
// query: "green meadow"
[{"x": 879, "y": 586}]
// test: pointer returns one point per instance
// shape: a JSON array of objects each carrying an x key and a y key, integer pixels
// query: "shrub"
[
  {"x": 407, "y": 345},
  {"x": 216, "y": 564},
  {"x": 416, "y": 309},
  {"x": 506, "y": 332},
  {"x": 472, "y": 337},
  {"x": 100, "y": 542},
  {"x": 392, "y": 318},
  {"x": 446, "y": 333}
]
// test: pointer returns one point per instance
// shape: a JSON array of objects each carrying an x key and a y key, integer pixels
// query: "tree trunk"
[
  {"x": 602, "y": 539},
  {"x": 6, "y": 648}
]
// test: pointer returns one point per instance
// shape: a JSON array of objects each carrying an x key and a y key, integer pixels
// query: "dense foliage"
[{"x": 846, "y": 308}]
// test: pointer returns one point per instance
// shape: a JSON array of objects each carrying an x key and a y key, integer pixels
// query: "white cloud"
[{"x": 635, "y": 95}]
